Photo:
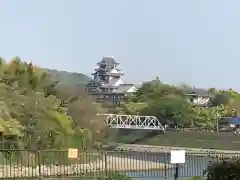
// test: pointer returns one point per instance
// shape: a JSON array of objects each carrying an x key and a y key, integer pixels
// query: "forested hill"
[
  {"x": 71, "y": 79},
  {"x": 35, "y": 112}
]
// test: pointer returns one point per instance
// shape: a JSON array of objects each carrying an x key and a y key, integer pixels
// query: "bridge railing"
[{"x": 48, "y": 164}]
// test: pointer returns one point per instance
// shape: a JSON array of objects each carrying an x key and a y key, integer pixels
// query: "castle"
[{"x": 107, "y": 83}]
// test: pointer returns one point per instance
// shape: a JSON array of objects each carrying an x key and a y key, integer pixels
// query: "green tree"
[
  {"x": 155, "y": 91},
  {"x": 220, "y": 98},
  {"x": 169, "y": 104},
  {"x": 170, "y": 108},
  {"x": 134, "y": 108},
  {"x": 235, "y": 104},
  {"x": 32, "y": 112}
]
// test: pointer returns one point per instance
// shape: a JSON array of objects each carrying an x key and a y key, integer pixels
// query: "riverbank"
[
  {"x": 109, "y": 163},
  {"x": 205, "y": 140},
  {"x": 129, "y": 164},
  {"x": 167, "y": 149}
]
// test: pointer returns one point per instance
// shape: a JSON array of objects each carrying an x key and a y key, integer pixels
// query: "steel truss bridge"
[{"x": 132, "y": 122}]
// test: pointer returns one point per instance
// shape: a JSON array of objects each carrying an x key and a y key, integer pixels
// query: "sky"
[{"x": 189, "y": 41}]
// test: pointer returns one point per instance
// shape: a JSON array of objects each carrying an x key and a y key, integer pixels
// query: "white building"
[
  {"x": 107, "y": 81},
  {"x": 200, "y": 97}
]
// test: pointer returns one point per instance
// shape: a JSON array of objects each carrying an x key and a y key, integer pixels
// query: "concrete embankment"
[
  {"x": 111, "y": 163},
  {"x": 128, "y": 164},
  {"x": 166, "y": 149}
]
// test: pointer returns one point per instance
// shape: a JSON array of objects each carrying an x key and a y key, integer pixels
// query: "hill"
[
  {"x": 34, "y": 115},
  {"x": 70, "y": 79}
]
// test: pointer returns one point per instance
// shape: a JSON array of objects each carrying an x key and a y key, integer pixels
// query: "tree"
[
  {"x": 85, "y": 114},
  {"x": 170, "y": 108},
  {"x": 235, "y": 104},
  {"x": 32, "y": 113},
  {"x": 185, "y": 88},
  {"x": 227, "y": 169},
  {"x": 134, "y": 108},
  {"x": 169, "y": 104},
  {"x": 152, "y": 91},
  {"x": 220, "y": 98},
  {"x": 205, "y": 117}
]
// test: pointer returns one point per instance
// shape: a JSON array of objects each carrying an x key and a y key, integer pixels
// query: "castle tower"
[
  {"x": 108, "y": 73},
  {"x": 107, "y": 83}
]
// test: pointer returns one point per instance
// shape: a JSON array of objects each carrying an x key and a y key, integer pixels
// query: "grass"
[
  {"x": 225, "y": 141},
  {"x": 208, "y": 140}
]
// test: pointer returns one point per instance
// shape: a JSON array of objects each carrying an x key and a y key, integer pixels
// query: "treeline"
[
  {"x": 171, "y": 105},
  {"x": 38, "y": 113}
]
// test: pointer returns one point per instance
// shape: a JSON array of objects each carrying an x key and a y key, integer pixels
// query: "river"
[{"x": 193, "y": 166}]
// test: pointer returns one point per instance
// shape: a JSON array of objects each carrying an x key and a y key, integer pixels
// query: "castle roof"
[
  {"x": 113, "y": 81},
  {"x": 124, "y": 88},
  {"x": 199, "y": 92},
  {"x": 108, "y": 61}
]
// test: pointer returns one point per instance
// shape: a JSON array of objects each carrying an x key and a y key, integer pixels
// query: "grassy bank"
[{"x": 208, "y": 140}]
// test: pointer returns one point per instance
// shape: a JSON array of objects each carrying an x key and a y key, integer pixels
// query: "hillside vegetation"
[
  {"x": 70, "y": 79},
  {"x": 170, "y": 105},
  {"x": 35, "y": 113},
  {"x": 40, "y": 111}
]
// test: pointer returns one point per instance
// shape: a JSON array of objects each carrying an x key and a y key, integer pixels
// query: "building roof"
[
  {"x": 234, "y": 121},
  {"x": 106, "y": 69},
  {"x": 108, "y": 86},
  {"x": 114, "y": 74},
  {"x": 199, "y": 92},
  {"x": 109, "y": 72},
  {"x": 225, "y": 119},
  {"x": 106, "y": 93},
  {"x": 93, "y": 81},
  {"x": 113, "y": 81},
  {"x": 124, "y": 87},
  {"x": 108, "y": 61}
]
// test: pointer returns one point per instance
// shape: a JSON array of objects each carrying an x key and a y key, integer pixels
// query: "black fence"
[{"x": 55, "y": 164}]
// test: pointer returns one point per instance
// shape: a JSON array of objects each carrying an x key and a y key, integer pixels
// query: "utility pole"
[{"x": 217, "y": 120}]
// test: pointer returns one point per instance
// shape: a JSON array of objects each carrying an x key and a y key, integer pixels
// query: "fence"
[{"x": 50, "y": 164}]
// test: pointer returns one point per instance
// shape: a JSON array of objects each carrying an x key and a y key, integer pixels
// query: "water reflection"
[{"x": 194, "y": 165}]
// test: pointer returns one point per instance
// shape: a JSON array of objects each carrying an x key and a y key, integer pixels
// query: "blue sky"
[{"x": 196, "y": 42}]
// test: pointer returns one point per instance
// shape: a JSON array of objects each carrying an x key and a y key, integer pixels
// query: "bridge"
[{"x": 119, "y": 121}]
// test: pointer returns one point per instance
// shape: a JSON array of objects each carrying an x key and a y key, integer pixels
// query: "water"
[{"x": 193, "y": 166}]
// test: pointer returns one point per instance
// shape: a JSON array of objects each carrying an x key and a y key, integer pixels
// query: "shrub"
[
  {"x": 196, "y": 178},
  {"x": 117, "y": 176},
  {"x": 223, "y": 169}
]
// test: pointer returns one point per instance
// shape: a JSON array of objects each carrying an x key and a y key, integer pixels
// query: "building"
[
  {"x": 227, "y": 124},
  {"x": 107, "y": 83},
  {"x": 200, "y": 97}
]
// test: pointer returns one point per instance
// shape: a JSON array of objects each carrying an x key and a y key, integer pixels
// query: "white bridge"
[{"x": 132, "y": 122}]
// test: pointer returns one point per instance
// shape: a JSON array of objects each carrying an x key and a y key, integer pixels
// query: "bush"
[
  {"x": 117, "y": 176},
  {"x": 196, "y": 178},
  {"x": 224, "y": 169}
]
